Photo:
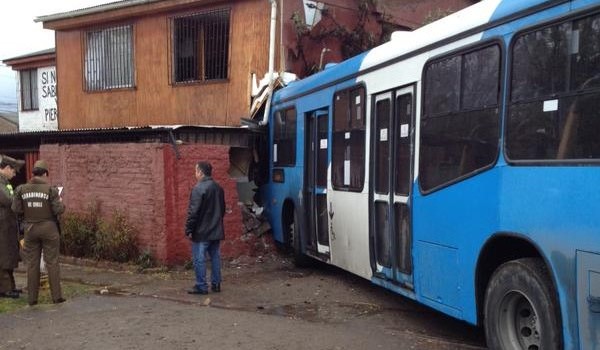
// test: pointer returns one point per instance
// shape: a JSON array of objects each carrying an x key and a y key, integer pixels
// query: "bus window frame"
[{"x": 492, "y": 41}]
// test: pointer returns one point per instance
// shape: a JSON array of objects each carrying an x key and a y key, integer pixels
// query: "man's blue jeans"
[{"x": 199, "y": 250}]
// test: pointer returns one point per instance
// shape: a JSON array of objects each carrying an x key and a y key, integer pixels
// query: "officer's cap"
[
  {"x": 14, "y": 163},
  {"x": 41, "y": 164}
]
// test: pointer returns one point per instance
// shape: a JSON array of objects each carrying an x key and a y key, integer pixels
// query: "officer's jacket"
[
  {"x": 9, "y": 246},
  {"x": 37, "y": 201},
  {"x": 205, "y": 211}
]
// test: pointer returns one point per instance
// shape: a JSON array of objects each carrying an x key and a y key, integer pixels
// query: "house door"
[
  {"x": 392, "y": 136},
  {"x": 317, "y": 161}
]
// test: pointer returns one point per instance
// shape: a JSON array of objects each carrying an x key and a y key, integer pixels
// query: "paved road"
[{"x": 263, "y": 306}]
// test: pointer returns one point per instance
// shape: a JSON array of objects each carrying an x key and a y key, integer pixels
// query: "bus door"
[
  {"x": 315, "y": 186},
  {"x": 391, "y": 171}
]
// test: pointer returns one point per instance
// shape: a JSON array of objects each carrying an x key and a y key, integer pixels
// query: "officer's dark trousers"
[
  {"x": 7, "y": 281},
  {"x": 42, "y": 236}
]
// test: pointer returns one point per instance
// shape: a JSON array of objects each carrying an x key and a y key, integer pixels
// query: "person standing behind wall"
[
  {"x": 204, "y": 227},
  {"x": 40, "y": 204},
  {"x": 9, "y": 243}
]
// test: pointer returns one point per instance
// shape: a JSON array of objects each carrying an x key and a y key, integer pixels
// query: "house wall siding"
[
  {"x": 147, "y": 183},
  {"x": 154, "y": 100}
]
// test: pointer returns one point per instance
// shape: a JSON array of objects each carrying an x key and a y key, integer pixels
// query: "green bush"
[
  {"x": 146, "y": 260},
  {"x": 79, "y": 231},
  {"x": 89, "y": 235}
]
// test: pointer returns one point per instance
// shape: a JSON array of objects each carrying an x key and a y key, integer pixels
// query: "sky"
[{"x": 20, "y": 35}]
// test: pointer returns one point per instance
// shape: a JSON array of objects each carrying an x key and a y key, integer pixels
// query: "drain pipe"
[{"x": 271, "y": 62}]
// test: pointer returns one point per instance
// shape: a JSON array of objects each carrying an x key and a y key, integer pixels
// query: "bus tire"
[
  {"x": 521, "y": 309},
  {"x": 300, "y": 259}
]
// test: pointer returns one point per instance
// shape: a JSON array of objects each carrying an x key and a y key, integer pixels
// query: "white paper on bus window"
[
  {"x": 574, "y": 47},
  {"x": 346, "y": 173},
  {"x": 383, "y": 135},
  {"x": 404, "y": 130},
  {"x": 550, "y": 105},
  {"x": 323, "y": 144},
  {"x": 347, "y": 136},
  {"x": 274, "y": 153}
]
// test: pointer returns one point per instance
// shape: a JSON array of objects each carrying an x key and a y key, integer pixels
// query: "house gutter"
[{"x": 271, "y": 62}]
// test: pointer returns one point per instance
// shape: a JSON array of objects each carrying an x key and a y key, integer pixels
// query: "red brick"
[{"x": 151, "y": 187}]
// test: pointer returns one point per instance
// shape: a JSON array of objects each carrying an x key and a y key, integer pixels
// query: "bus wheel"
[
  {"x": 300, "y": 259},
  {"x": 521, "y": 311}
]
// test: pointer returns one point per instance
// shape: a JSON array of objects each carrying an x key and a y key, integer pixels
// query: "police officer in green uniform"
[
  {"x": 40, "y": 204},
  {"x": 9, "y": 243}
]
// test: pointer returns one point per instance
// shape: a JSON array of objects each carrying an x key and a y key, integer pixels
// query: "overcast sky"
[{"x": 19, "y": 35}]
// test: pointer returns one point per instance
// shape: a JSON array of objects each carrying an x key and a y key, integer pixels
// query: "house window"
[
  {"x": 29, "y": 94},
  {"x": 109, "y": 58},
  {"x": 201, "y": 46}
]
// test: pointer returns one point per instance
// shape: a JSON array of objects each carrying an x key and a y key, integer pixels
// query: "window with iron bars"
[
  {"x": 109, "y": 58},
  {"x": 29, "y": 90},
  {"x": 201, "y": 46}
]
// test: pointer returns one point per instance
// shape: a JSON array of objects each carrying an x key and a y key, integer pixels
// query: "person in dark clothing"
[
  {"x": 204, "y": 227},
  {"x": 9, "y": 241},
  {"x": 39, "y": 204}
]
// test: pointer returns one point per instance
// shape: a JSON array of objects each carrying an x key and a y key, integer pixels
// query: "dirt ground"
[{"x": 264, "y": 304}]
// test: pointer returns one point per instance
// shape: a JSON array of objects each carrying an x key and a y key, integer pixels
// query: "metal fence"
[{"x": 201, "y": 46}]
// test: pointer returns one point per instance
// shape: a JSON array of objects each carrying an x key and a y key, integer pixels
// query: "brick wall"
[
  {"x": 151, "y": 186},
  {"x": 179, "y": 180},
  {"x": 120, "y": 176}
]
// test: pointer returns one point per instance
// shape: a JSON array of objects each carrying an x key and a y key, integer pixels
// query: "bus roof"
[{"x": 473, "y": 18}]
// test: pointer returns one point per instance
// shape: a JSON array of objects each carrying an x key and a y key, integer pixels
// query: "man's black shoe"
[
  {"x": 32, "y": 303},
  {"x": 59, "y": 300},
  {"x": 215, "y": 287},
  {"x": 197, "y": 291},
  {"x": 10, "y": 294},
  {"x": 18, "y": 290}
]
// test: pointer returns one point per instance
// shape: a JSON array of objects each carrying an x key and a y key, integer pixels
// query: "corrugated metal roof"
[
  {"x": 92, "y": 10},
  {"x": 125, "y": 129},
  {"x": 172, "y": 134},
  {"x": 33, "y": 54}
]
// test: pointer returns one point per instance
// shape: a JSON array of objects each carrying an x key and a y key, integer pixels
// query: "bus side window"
[
  {"x": 460, "y": 122},
  {"x": 554, "y": 110},
  {"x": 348, "y": 146},
  {"x": 284, "y": 138}
]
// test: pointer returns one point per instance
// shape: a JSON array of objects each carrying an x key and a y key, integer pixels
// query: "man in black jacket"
[{"x": 204, "y": 227}]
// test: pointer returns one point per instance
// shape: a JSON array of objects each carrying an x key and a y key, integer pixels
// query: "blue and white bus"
[{"x": 457, "y": 165}]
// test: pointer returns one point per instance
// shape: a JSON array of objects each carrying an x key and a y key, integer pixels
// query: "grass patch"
[{"x": 70, "y": 290}]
